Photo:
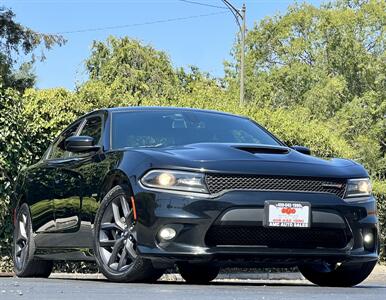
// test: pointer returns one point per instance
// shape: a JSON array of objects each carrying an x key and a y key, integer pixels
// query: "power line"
[
  {"x": 141, "y": 24},
  {"x": 202, "y": 4},
  {"x": 235, "y": 12}
]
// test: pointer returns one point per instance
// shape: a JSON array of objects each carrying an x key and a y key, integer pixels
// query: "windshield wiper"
[{"x": 151, "y": 146}]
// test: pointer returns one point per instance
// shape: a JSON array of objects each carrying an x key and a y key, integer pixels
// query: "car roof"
[{"x": 162, "y": 108}]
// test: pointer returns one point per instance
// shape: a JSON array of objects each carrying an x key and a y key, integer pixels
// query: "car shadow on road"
[
  {"x": 241, "y": 283},
  {"x": 264, "y": 284}
]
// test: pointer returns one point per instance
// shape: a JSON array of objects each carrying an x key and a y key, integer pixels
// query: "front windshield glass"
[{"x": 176, "y": 128}]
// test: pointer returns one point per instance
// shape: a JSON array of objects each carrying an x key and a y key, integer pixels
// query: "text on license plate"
[{"x": 287, "y": 214}]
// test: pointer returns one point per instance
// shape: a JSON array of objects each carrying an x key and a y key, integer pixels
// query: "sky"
[{"x": 204, "y": 41}]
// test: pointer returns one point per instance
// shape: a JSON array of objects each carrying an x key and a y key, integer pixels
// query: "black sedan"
[{"x": 142, "y": 190}]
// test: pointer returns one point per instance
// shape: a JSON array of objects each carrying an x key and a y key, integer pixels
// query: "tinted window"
[
  {"x": 58, "y": 146},
  {"x": 93, "y": 128},
  {"x": 171, "y": 128}
]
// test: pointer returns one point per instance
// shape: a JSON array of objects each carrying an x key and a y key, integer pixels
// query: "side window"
[
  {"x": 93, "y": 128},
  {"x": 46, "y": 154},
  {"x": 57, "y": 148}
]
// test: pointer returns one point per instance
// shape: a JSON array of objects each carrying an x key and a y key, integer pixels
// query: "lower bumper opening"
[{"x": 299, "y": 238}]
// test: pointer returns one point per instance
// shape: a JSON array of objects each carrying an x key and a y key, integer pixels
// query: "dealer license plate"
[{"x": 287, "y": 214}]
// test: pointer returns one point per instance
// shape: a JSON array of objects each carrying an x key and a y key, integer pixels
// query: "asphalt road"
[{"x": 71, "y": 289}]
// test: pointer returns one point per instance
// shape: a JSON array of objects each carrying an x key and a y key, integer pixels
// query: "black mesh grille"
[
  {"x": 217, "y": 183},
  {"x": 301, "y": 238}
]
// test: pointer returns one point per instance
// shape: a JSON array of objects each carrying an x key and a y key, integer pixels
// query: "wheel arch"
[
  {"x": 113, "y": 178},
  {"x": 18, "y": 199}
]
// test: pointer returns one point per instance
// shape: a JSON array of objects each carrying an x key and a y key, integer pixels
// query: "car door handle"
[{"x": 65, "y": 160}]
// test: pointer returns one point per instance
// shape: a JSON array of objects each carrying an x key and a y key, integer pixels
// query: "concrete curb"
[
  {"x": 177, "y": 277},
  {"x": 262, "y": 276},
  {"x": 244, "y": 276}
]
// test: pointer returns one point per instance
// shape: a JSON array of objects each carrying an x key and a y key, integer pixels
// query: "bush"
[
  {"x": 380, "y": 194},
  {"x": 36, "y": 118},
  {"x": 14, "y": 152}
]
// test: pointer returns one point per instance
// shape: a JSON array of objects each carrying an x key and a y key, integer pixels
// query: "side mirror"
[
  {"x": 302, "y": 149},
  {"x": 80, "y": 144}
]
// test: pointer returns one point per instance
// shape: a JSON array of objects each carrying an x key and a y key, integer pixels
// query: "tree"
[
  {"x": 339, "y": 47},
  {"x": 15, "y": 39},
  {"x": 132, "y": 69},
  {"x": 17, "y": 146},
  {"x": 330, "y": 60}
]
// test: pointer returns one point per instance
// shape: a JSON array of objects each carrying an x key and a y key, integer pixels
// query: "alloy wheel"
[
  {"x": 21, "y": 241},
  {"x": 117, "y": 236}
]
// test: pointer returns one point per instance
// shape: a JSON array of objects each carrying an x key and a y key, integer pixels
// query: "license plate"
[{"x": 287, "y": 214}]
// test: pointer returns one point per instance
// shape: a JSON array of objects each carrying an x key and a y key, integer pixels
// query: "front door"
[
  {"x": 41, "y": 193},
  {"x": 41, "y": 185},
  {"x": 73, "y": 180}
]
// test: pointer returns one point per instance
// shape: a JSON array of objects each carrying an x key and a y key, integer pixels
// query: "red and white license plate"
[{"x": 287, "y": 214}]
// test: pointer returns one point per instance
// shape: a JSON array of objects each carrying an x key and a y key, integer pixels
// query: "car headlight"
[
  {"x": 175, "y": 180},
  {"x": 358, "y": 188}
]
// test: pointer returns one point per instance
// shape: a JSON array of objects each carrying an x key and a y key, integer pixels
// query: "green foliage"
[
  {"x": 16, "y": 38},
  {"x": 13, "y": 154},
  {"x": 362, "y": 122},
  {"x": 379, "y": 188},
  {"x": 131, "y": 69},
  {"x": 297, "y": 127},
  {"x": 307, "y": 47},
  {"x": 48, "y": 112},
  {"x": 330, "y": 60}
]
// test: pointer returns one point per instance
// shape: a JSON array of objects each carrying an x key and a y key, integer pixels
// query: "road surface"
[{"x": 95, "y": 289}]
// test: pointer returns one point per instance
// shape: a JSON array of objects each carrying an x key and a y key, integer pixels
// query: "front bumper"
[{"x": 192, "y": 217}]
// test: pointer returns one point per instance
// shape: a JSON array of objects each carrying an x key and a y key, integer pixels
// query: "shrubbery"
[
  {"x": 380, "y": 194},
  {"x": 37, "y": 117}
]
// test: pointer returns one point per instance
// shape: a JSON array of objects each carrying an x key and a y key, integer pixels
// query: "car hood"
[{"x": 250, "y": 159}]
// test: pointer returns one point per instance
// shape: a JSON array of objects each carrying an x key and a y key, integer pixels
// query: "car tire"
[
  {"x": 345, "y": 275},
  {"x": 25, "y": 265},
  {"x": 114, "y": 241},
  {"x": 198, "y": 273}
]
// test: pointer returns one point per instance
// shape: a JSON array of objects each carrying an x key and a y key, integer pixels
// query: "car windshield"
[{"x": 176, "y": 128}]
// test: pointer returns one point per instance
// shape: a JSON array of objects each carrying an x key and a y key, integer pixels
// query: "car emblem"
[
  {"x": 288, "y": 211},
  {"x": 332, "y": 185}
]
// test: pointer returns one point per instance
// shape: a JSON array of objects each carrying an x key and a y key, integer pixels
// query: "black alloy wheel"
[
  {"x": 115, "y": 240},
  {"x": 23, "y": 248}
]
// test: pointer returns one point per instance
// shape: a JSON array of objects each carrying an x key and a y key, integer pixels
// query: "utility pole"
[
  {"x": 242, "y": 69},
  {"x": 240, "y": 14}
]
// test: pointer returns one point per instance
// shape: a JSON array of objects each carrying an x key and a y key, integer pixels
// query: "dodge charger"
[{"x": 145, "y": 189}]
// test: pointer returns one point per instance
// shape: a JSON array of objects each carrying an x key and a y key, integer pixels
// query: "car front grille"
[
  {"x": 219, "y": 182},
  {"x": 301, "y": 238}
]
